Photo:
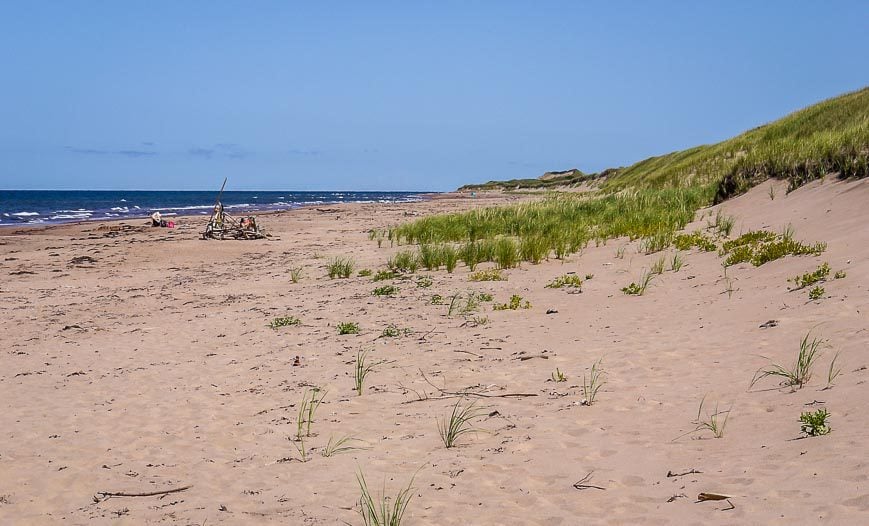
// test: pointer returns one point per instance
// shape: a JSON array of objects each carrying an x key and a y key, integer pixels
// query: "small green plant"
[
  {"x": 771, "y": 192},
  {"x": 311, "y": 400},
  {"x": 340, "y": 267},
  {"x": 403, "y": 261},
  {"x": 299, "y": 444},
  {"x": 514, "y": 304},
  {"x": 658, "y": 266},
  {"x": 801, "y": 372},
  {"x": 364, "y": 273},
  {"x": 393, "y": 331},
  {"x": 834, "y": 371},
  {"x": 506, "y": 253},
  {"x": 694, "y": 239},
  {"x": 657, "y": 241},
  {"x": 284, "y": 321},
  {"x": 348, "y": 327},
  {"x": 296, "y": 274},
  {"x": 589, "y": 277},
  {"x": 810, "y": 278},
  {"x": 386, "y": 290},
  {"x": 450, "y": 257},
  {"x": 728, "y": 287},
  {"x": 723, "y": 224},
  {"x": 384, "y": 511},
  {"x": 638, "y": 289},
  {"x": 341, "y": 445},
  {"x": 816, "y": 293},
  {"x": 620, "y": 252},
  {"x": 424, "y": 282},
  {"x": 677, "y": 262},
  {"x": 479, "y": 320},
  {"x": 558, "y": 376},
  {"x": 377, "y": 234},
  {"x": 437, "y": 299},
  {"x": 488, "y": 275},
  {"x": 430, "y": 256},
  {"x": 567, "y": 280},
  {"x": 592, "y": 382},
  {"x": 458, "y": 423},
  {"x": 839, "y": 274},
  {"x": 711, "y": 421},
  {"x": 467, "y": 303},
  {"x": 383, "y": 275},
  {"x": 362, "y": 368},
  {"x": 815, "y": 424}
]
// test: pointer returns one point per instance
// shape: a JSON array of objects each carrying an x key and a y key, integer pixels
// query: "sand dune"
[{"x": 138, "y": 359}]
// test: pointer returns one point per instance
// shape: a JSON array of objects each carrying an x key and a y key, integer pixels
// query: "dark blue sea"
[{"x": 33, "y": 207}]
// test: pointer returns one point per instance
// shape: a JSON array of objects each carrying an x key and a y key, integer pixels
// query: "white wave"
[
  {"x": 25, "y": 214},
  {"x": 70, "y": 216}
]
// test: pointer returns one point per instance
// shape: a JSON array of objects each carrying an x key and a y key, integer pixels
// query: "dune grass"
[
  {"x": 800, "y": 372},
  {"x": 592, "y": 382},
  {"x": 563, "y": 224},
  {"x": 383, "y": 510},
  {"x": 341, "y": 267},
  {"x": 828, "y": 137},
  {"x": 458, "y": 423}
]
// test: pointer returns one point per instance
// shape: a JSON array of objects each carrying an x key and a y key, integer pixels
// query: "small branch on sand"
[
  {"x": 103, "y": 495},
  {"x": 444, "y": 394},
  {"x": 582, "y": 483},
  {"x": 469, "y": 352},
  {"x": 689, "y": 472}
]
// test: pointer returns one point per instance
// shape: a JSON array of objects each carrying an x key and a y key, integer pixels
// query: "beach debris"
[
  {"x": 769, "y": 324},
  {"x": 583, "y": 483},
  {"x": 679, "y": 496},
  {"x": 81, "y": 260},
  {"x": 297, "y": 362},
  {"x": 702, "y": 497},
  {"x": 551, "y": 311},
  {"x": 682, "y": 474},
  {"x": 104, "y": 495}
]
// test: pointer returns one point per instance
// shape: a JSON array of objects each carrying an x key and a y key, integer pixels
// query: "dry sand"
[{"x": 149, "y": 365}]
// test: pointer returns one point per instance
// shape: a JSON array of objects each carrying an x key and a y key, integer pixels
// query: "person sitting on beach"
[{"x": 157, "y": 220}]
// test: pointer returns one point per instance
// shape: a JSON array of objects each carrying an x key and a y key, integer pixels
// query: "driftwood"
[
  {"x": 444, "y": 394},
  {"x": 582, "y": 483},
  {"x": 689, "y": 472},
  {"x": 102, "y": 495}
]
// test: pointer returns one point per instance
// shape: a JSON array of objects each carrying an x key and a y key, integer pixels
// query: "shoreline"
[{"x": 23, "y": 228}]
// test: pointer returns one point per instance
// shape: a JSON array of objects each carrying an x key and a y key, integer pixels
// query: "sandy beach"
[{"x": 139, "y": 360}]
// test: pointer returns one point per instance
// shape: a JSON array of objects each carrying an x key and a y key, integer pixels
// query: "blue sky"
[{"x": 396, "y": 95}]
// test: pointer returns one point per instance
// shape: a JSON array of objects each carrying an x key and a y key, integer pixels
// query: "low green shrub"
[
  {"x": 488, "y": 275},
  {"x": 514, "y": 304},
  {"x": 284, "y": 321},
  {"x": 348, "y": 327},
  {"x": 386, "y": 290},
  {"x": 567, "y": 280}
]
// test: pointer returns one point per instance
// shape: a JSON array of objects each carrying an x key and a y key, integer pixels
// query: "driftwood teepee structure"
[{"x": 221, "y": 225}]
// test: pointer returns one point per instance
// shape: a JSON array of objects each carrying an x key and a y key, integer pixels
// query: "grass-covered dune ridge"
[{"x": 828, "y": 137}]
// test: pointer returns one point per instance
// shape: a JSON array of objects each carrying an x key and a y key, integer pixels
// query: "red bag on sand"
[{"x": 170, "y": 224}]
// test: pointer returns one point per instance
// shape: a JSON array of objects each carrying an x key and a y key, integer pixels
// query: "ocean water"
[{"x": 33, "y": 207}]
